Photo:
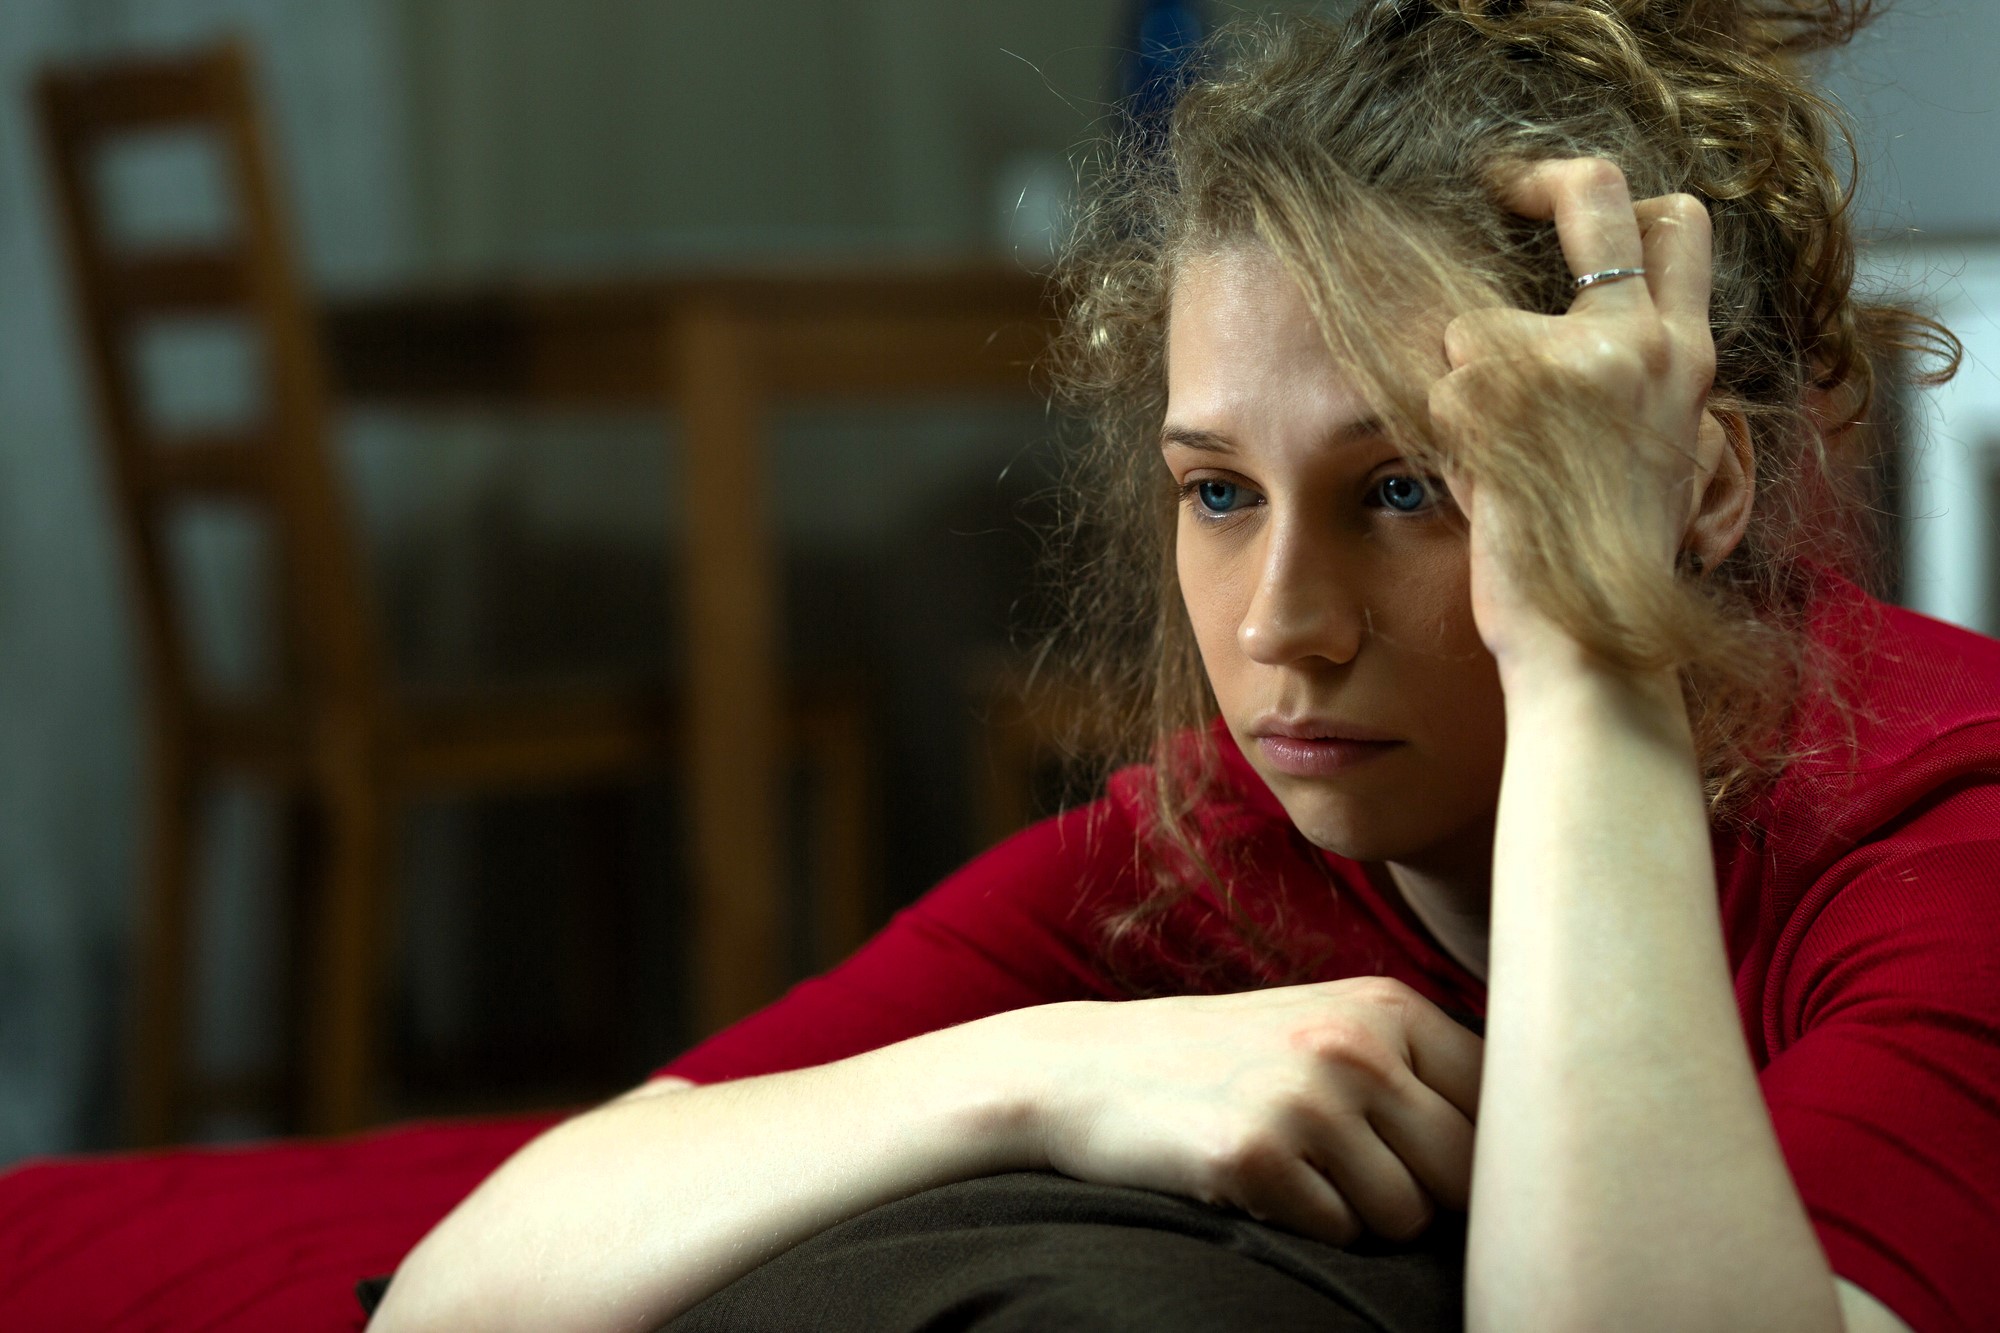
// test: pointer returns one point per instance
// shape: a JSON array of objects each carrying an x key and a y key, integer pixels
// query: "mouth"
[{"x": 1316, "y": 748}]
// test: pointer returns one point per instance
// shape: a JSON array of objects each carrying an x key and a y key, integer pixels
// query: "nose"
[{"x": 1302, "y": 606}]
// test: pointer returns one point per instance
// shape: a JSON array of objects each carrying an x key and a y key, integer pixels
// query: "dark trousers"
[{"x": 1038, "y": 1253}]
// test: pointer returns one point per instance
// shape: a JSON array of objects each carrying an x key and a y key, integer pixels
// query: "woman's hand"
[
  {"x": 1634, "y": 353},
  {"x": 1326, "y": 1109}
]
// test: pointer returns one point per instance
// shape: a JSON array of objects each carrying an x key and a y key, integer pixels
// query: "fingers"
[
  {"x": 1588, "y": 200},
  {"x": 1378, "y": 1185},
  {"x": 1432, "y": 1138},
  {"x": 1444, "y": 1055},
  {"x": 1297, "y": 1197},
  {"x": 1498, "y": 329},
  {"x": 1599, "y": 227},
  {"x": 1345, "y": 1182},
  {"x": 1679, "y": 244},
  {"x": 1487, "y": 393},
  {"x": 1425, "y": 1117}
]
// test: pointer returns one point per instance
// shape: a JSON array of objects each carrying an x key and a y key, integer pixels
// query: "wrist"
[
  {"x": 1588, "y": 730},
  {"x": 1565, "y": 677},
  {"x": 998, "y": 1088}
]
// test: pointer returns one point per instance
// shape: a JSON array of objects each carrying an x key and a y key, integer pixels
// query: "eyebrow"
[
  {"x": 1187, "y": 438},
  {"x": 1213, "y": 442}
]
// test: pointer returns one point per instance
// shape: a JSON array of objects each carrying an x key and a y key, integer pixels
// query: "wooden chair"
[{"x": 334, "y": 730}]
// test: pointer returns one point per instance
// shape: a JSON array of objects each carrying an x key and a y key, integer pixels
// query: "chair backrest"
[{"x": 327, "y": 633}]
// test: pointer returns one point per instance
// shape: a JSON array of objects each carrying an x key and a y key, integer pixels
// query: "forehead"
[{"x": 1242, "y": 339}]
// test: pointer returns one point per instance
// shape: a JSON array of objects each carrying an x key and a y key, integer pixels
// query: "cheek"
[
  {"x": 1459, "y": 674},
  {"x": 1445, "y": 664},
  {"x": 1206, "y": 594},
  {"x": 1433, "y": 602}
]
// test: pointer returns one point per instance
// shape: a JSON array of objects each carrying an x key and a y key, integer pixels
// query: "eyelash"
[{"x": 1190, "y": 497}]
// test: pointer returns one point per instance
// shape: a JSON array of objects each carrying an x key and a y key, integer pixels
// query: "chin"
[{"x": 1356, "y": 830}]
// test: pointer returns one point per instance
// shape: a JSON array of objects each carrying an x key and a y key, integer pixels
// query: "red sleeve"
[
  {"x": 265, "y": 1236},
  {"x": 1014, "y": 928},
  {"x": 1887, "y": 1099}
]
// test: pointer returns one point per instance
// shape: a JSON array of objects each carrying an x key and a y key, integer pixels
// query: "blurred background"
[{"x": 535, "y": 947}]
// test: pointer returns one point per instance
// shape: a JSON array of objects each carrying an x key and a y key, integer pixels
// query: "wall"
[
  {"x": 443, "y": 137},
  {"x": 1921, "y": 88},
  {"x": 450, "y": 137}
]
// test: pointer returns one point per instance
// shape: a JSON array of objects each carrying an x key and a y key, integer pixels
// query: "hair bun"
[
  {"x": 1766, "y": 27},
  {"x": 1785, "y": 27}
]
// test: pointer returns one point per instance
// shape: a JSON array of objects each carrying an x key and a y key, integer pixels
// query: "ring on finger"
[{"x": 1589, "y": 280}]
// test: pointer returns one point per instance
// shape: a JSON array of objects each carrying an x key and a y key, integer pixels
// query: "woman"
[{"x": 1492, "y": 591}]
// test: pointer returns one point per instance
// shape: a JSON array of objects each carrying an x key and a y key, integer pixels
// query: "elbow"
[{"x": 432, "y": 1292}]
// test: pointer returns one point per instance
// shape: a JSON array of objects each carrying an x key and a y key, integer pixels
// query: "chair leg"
[
  {"x": 1003, "y": 783},
  {"x": 158, "y": 1062},
  {"x": 347, "y": 957},
  {"x": 302, "y": 869},
  {"x": 597, "y": 961},
  {"x": 836, "y": 744}
]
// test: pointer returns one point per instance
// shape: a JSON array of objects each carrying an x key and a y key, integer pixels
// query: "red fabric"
[
  {"x": 1863, "y": 925},
  {"x": 251, "y": 1239},
  {"x": 1862, "y": 918}
]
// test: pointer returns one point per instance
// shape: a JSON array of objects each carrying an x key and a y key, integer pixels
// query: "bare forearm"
[
  {"x": 629, "y": 1214},
  {"x": 1626, "y": 1174}
]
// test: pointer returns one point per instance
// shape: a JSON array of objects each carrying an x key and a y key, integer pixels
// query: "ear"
[{"x": 1723, "y": 510}]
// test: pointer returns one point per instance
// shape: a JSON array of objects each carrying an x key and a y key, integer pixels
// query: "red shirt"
[{"x": 1861, "y": 908}]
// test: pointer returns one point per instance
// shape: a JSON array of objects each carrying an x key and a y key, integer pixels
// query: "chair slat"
[
  {"x": 178, "y": 282},
  {"x": 135, "y": 95},
  {"x": 225, "y": 465}
]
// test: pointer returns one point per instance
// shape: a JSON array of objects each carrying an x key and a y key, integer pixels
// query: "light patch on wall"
[
  {"x": 198, "y": 375},
  {"x": 166, "y": 190}
]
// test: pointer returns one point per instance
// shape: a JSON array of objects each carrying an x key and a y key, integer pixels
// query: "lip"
[
  {"x": 1317, "y": 747},
  {"x": 1299, "y": 758},
  {"x": 1317, "y": 729}
]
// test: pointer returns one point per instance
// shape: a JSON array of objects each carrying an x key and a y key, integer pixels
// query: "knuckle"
[
  {"x": 1688, "y": 215},
  {"x": 1330, "y": 1031},
  {"x": 1700, "y": 356},
  {"x": 1384, "y": 992},
  {"x": 1615, "y": 361},
  {"x": 1351, "y": 1043},
  {"x": 1687, "y": 208},
  {"x": 1447, "y": 400},
  {"x": 1598, "y": 173},
  {"x": 1246, "y": 1157},
  {"x": 1654, "y": 352}
]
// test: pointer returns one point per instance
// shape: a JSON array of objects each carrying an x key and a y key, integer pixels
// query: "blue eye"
[
  {"x": 1219, "y": 497},
  {"x": 1405, "y": 495}
]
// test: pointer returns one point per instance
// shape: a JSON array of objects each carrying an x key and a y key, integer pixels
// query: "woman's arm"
[
  {"x": 1626, "y": 1173},
  {"x": 631, "y": 1213},
  {"x": 1331, "y": 1109}
]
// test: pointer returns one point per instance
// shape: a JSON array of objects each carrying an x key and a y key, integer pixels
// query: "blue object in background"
[{"x": 1163, "y": 38}]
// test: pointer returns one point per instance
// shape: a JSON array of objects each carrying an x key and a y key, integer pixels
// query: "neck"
[{"x": 1449, "y": 889}]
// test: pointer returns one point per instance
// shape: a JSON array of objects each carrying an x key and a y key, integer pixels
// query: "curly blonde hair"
[{"x": 1364, "y": 154}]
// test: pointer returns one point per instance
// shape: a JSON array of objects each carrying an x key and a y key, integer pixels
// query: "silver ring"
[{"x": 1608, "y": 275}]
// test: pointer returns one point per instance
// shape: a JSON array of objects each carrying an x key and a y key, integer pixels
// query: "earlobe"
[{"x": 1723, "y": 513}]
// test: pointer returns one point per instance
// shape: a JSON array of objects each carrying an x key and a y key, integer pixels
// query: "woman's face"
[{"x": 1326, "y": 579}]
